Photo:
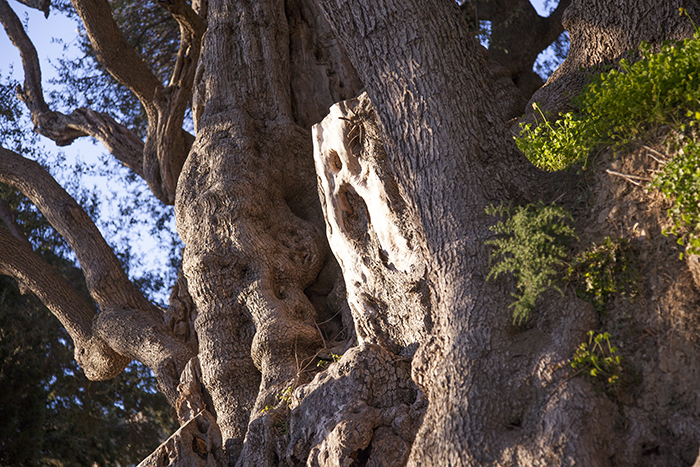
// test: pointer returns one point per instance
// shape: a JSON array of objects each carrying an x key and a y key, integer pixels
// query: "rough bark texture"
[
  {"x": 517, "y": 407},
  {"x": 361, "y": 410},
  {"x": 248, "y": 211}
]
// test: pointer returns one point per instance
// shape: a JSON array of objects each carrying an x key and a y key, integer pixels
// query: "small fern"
[{"x": 531, "y": 246}]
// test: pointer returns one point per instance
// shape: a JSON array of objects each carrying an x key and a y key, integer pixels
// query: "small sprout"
[{"x": 598, "y": 360}]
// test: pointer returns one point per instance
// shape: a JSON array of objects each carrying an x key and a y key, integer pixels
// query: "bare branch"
[
  {"x": 167, "y": 143},
  {"x": 164, "y": 155},
  {"x": 64, "y": 129},
  {"x": 67, "y": 304},
  {"x": 160, "y": 161},
  {"x": 121, "y": 142},
  {"x": 128, "y": 324},
  {"x": 114, "y": 52},
  {"x": 105, "y": 278},
  {"x": 41, "y": 5},
  {"x": 554, "y": 26},
  {"x": 31, "y": 95}
]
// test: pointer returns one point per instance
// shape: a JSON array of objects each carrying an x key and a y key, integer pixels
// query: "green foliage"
[
  {"x": 531, "y": 246},
  {"x": 620, "y": 105},
  {"x": 604, "y": 270},
  {"x": 51, "y": 413},
  {"x": 679, "y": 181},
  {"x": 283, "y": 426},
  {"x": 324, "y": 363},
  {"x": 598, "y": 360},
  {"x": 286, "y": 396},
  {"x": 554, "y": 146}
]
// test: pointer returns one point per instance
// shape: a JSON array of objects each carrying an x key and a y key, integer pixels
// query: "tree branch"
[
  {"x": 128, "y": 323},
  {"x": 114, "y": 52},
  {"x": 164, "y": 155},
  {"x": 41, "y": 5},
  {"x": 105, "y": 278},
  {"x": 518, "y": 35},
  {"x": 554, "y": 22},
  {"x": 167, "y": 144},
  {"x": 64, "y": 129},
  {"x": 31, "y": 95},
  {"x": 67, "y": 304},
  {"x": 9, "y": 220},
  {"x": 160, "y": 161}
]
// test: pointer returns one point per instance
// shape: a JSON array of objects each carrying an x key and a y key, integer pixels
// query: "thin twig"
[
  {"x": 329, "y": 319},
  {"x": 660, "y": 154},
  {"x": 664, "y": 157},
  {"x": 321, "y": 334},
  {"x": 628, "y": 177}
]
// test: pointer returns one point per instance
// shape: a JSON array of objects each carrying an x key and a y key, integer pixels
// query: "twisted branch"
[{"x": 128, "y": 325}]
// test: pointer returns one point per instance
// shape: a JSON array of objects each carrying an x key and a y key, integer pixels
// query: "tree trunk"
[
  {"x": 432, "y": 371},
  {"x": 248, "y": 211},
  {"x": 404, "y": 183}
]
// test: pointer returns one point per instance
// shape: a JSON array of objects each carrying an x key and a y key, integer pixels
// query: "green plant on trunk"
[
  {"x": 598, "y": 360},
  {"x": 620, "y": 105},
  {"x": 603, "y": 270},
  {"x": 532, "y": 246},
  {"x": 679, "y": 181}
]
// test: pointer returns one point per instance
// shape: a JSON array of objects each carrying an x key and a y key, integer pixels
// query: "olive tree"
[{"x": 312, "y": 233}]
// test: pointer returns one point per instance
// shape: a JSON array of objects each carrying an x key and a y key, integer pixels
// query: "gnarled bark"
[{"x": 248, "y": 265}]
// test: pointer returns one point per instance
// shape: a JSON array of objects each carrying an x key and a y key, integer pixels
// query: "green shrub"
[
  {"x": 679, "y": 181},
  {"x": 604, "y": 270},
  {"x": 531, "y": 246},
  {"x": 620, "y": 105}
]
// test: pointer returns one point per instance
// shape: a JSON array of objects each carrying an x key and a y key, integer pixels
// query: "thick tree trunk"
[
  {"x": 433, "y": 372},
  {"x": 412, "y": 223},
  {"x": 247, "y": 208}
]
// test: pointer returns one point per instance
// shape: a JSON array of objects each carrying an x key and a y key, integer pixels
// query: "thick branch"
[
  {"x": 114, "y": 52},
  {"x": 167, "y": 144},
  {"x": 105, "y": 278},
  {"x": 128, "y": 322},
  {"x": 67, "y": 304},
  {"x": 518, "y": 35},
  {"x": 160, "y": 161},
  {"x": 31, "y": 95}
]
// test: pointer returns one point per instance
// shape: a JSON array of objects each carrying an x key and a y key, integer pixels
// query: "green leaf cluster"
[
  {"x": 679, "y": 181},
  {"x": 620, "y": 105},
  {"x": 531, "y": 245},
  {"x": 598, "y": 359},
  {"x": 604, "y": 270}
]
